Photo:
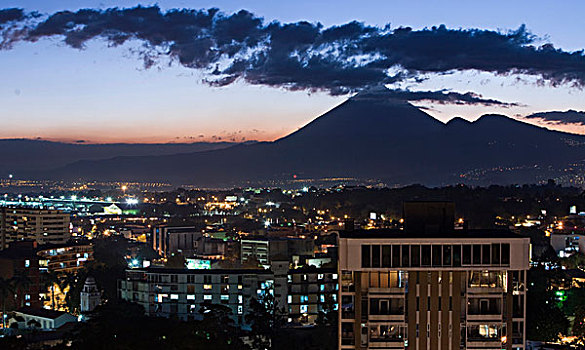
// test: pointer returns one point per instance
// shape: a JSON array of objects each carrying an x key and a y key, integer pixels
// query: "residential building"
[
  {"x": 430, "y": 286},
  {"x": 42, "y": 225},
  {"x": 181, "y": 292},
  {"x": 66, "y": 257},
  {"x": 310, "y": 291},
  {"x": 567, "y": 244},
  {"x": 265, "y": 249},
  {"x": 19, "y": 263}
]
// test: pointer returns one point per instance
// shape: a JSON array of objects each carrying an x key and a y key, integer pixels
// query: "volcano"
[{"x": 369, "y": 136}]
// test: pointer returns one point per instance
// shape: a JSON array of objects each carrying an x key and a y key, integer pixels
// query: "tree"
[
  {"x": 176, "y": 261},
  {"x": 266, "y": 319},
  {"x": 6, "y": 290},
  {"x": 50, "y": 280},
  {"x": 217, "y": 328},
  {"x": 20, "y": 283},
  {"x": 579, "y": 322},
  {"x": 544, "y": 320}
]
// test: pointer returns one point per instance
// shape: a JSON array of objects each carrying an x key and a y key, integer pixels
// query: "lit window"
[
  {"x": 174, "y": 296},
  {"x": 240, "y": 286},
  {"x": 322, "y": 298},
  {"x": 207, "y": 297},
  {"x": 334, "y": 276},
  {"x": 191, "y": 297},
  {"x": 304, "y": 309},
  {"x": 27, "y": 263},
  {"x": 240, "y": 299},
  {"x": 225, "y": 297},
  {"x": 322, "y": 287},
  {"x": 304, "y": 298},
  {"x": 289, "y": 299},
  {"x": 207, "y": 286},
  {"x": 27, "y": 297},
  {"x": 320, "y": 276},
  {"x": 240, "y": 309}
]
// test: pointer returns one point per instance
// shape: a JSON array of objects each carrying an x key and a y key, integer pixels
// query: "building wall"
[
  {"x": 309, "y": 292},
  {"x": 181, "y": 293}
]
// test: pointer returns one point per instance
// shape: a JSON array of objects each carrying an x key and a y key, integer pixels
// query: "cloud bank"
[
  {"x": 304, "y": 56},
  {"x": 570, "y": 117}
]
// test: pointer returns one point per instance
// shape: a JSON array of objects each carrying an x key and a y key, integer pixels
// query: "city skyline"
[{"x": 99, "y": 93}]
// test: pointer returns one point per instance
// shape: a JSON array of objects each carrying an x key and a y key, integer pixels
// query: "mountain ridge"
[{"x": 368, "y": 137}]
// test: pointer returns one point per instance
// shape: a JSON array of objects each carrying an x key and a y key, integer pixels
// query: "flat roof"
[
  {"x": 397, "y": 233},
  {"x": 185, "y": 271}
]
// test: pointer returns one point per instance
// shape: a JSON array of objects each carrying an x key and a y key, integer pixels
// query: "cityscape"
[{"x": 260, "y": 175}]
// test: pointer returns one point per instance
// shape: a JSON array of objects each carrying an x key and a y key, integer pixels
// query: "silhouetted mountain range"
[
  {"x": 369, "y": 136},
  {"x": 17, "y": 155}
]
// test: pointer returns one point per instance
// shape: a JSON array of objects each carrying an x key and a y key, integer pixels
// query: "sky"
[{"x": 102, "y": 93}]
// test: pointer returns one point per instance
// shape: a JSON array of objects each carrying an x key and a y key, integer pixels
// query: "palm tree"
[
  {"x": 68, "y": 279},
  {"x": 20, "y": 284},
  {"x": 6, "y": 290},
  {"x": 51, "y": 279}
]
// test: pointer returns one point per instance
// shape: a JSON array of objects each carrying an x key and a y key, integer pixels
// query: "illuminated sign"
[{"x": 198, "y": 264}]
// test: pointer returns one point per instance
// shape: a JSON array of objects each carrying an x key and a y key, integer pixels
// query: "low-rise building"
[
  {"x": 66, "y": 257},
  {"x": 181, "y": 292},
  {"x": 47, "y": 320}
]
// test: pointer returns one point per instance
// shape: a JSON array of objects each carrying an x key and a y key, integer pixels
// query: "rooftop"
[
  {"x": 38, "y": 312},
  {"x": 185, "y": 271},
  {"x": 397, "y": 233}
]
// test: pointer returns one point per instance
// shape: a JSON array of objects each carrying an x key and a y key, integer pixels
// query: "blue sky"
[{"x": 104, "y": 94}]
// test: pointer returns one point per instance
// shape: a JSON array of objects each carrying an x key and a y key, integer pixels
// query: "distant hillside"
[
  {"x": 18, "y": 155},
  {"x": 368, "y": 136}
]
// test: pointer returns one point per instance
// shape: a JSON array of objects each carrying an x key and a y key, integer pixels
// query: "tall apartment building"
[
  {"x": 42, "y": 225},
  {"x": 432, "y": 287}
]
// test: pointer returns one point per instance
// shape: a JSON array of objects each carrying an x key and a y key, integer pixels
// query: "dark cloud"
[
  {"x": 306, "y": 56},
  {"x": 441, "y": 96},
  {"x": 10, "y": 15},
  {"x": 569, "y": 117}
]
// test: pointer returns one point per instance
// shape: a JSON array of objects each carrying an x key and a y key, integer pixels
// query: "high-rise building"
[
  {"x": 42, "y": 225},
  {"x": 430, "y": 286}
]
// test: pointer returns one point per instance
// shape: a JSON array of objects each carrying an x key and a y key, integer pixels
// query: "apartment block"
[
  {"x": 432, "y": 287},
  {"x": 42, "y": 225},
  {"x": 181, "y": 292}
]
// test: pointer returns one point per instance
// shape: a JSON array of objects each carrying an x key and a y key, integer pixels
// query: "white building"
[
  {"x": 47, "y": 320},
  {"x": 90, "y": 296}
]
